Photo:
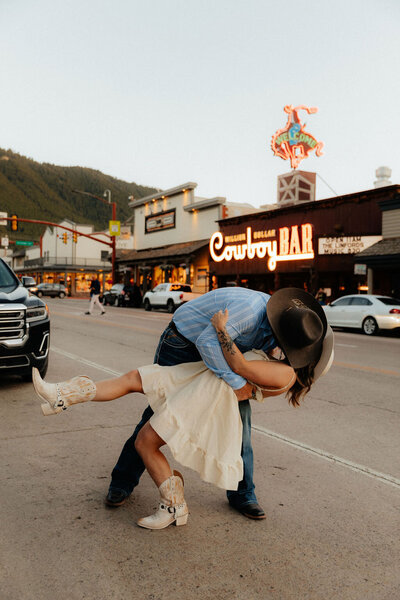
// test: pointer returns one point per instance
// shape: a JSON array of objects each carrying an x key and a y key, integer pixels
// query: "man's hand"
[
  {"x": 220, "y": 319},
  {"x": 246, "y": 392}
]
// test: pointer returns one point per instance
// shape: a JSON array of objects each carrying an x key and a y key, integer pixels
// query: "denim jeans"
[{"x": 172, "y": 349}]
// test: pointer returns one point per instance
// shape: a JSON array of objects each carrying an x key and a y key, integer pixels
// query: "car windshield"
[
  {"x": 390, "y": 301},
  {"x": 7, "y": 280}
]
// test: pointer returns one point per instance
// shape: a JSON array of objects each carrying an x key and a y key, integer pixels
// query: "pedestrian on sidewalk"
[
  {"x": 95, "y": 296},
  {"x": 196, "y": 412}
]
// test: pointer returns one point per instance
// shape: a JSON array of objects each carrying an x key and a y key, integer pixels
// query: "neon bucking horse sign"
[{"x": 293, "y": 142}]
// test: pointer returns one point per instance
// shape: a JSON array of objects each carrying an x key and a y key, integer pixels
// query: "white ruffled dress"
[{"x": 197, "y": 415}]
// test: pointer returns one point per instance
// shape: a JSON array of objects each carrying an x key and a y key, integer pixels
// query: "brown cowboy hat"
[{"x": 300, "y": 328}]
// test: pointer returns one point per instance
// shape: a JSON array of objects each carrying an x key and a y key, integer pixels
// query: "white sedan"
[{"x": 367, "y": 312}]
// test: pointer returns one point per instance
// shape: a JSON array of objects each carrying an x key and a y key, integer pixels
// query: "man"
[
  {"x": 95, "y": 297},
  {"x": 191, "y": 337}
]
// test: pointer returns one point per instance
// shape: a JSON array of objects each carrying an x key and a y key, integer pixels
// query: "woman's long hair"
[{"x": 302, "y": 385}]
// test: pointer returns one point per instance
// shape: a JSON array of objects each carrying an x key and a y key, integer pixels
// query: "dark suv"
[
  {"x": 24, "y": 328},
  {"x": 49, "y": 289}
]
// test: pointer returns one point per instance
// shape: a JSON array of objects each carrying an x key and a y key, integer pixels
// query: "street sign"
[
  {"x": 4, "y": 242},
  {"x": 2, "y": 216},
  {"x": 24, "y": 243},
  {"x": 360, "y": 269},
  {"x": 115, "y": 227}
]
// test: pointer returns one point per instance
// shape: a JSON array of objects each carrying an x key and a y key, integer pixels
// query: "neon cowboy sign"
[
  {"x": 292, "y": 243},
  {"x": 293, "y": 142}
]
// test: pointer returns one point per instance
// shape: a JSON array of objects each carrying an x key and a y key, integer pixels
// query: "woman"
[{"x": 196, "y": 413}]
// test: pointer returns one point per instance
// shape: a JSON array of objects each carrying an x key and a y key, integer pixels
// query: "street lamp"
[{"x": 106, "y": 194}]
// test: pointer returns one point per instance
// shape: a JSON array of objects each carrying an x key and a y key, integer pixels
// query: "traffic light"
[
  {"x": 74, "y": 237},
  {"x": 65, "y": 237},
  {"x": 14, "y": 222}
]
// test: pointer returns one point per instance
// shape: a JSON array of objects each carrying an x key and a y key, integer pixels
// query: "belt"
[{"x": 178, "y": 333}]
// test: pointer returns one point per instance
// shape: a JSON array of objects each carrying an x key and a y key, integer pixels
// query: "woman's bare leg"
[
  {"x": 110, "y": 389},
  {"x": 148, "y": 444},
  {"x": 172, "y": 507}
]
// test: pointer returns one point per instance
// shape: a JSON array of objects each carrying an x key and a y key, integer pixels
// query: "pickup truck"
[
  {"x": 169, "y": 296},
  {"x": 24, "y": 327}
]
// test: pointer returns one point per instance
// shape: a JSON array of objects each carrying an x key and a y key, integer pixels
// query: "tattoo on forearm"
[{"x": 226, "y": 341}]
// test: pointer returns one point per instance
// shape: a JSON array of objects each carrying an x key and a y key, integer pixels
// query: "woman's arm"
[{"x": 261, "y": 372}]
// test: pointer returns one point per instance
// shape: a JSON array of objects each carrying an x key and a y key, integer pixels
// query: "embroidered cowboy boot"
[
  {"x": 172, "y": 507},
  {"x": 58, "y": 396}
]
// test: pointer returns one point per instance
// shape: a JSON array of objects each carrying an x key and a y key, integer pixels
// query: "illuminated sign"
[
  {"x": 293, "y": 142},
  {"x": 289, "y": 243},
  {"x": 351, "y": 244},
  {"x": 163, "y": 220}
]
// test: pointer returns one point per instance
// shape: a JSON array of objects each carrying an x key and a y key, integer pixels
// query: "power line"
[{"x": 327, "y": 184}]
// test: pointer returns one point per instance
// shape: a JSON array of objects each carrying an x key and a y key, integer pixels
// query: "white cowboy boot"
[
  {"x": 58, "y": 396},
  {"x": 172, "y": 507}
]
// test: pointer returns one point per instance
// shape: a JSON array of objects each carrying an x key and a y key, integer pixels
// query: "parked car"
[
  {"x": 367, "y": 312},
  {"x": 49, "y": 289},
  {"x": 115, "y": 295},
  {"x": 169, "y": 296},
  {"x": 24, "y": 328}
]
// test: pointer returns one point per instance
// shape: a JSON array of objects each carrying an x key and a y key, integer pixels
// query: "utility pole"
[{"x": 107, "y": 194}]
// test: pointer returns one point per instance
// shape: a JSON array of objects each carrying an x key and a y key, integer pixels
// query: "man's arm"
[
  {"x": 211, "y": 352},
  {"x": 266, "y": 374}
]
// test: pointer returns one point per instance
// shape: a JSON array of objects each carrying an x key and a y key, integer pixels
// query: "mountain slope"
[{"x": 43, "y": 191}]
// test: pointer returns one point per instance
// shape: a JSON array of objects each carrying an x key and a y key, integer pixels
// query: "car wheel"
[
  {"x": 170, "y": 306},
  {"x": 40, "y": 294},
  {"x": 61, "y": 295},
  {"x": 147, "y": 305},
  {"x": 370, "y": 326}
]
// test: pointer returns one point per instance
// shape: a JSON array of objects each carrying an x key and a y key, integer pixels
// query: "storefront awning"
[
  {"x": 386, "y": 251},
  {"x": 163, "y": 252}
]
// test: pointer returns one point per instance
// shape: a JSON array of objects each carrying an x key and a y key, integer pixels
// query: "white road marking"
[
  {"x": 330, "y": 457},
  {"x": 346, "y": 345},
  {"x": 85, "y": 361},
  {"x": 388, "y": 479}
]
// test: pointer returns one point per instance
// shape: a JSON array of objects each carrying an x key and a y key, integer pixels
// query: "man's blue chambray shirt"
[{"x": 247, "y": 325}]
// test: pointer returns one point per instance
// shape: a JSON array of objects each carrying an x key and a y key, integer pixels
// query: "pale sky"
[{"x": 162, "y": 92}]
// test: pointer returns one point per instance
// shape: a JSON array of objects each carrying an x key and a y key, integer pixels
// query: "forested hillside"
[{"x": 44, "y": 191}]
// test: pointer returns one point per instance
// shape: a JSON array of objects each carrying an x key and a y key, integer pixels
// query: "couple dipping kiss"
[{"x": 220, "y": 351}]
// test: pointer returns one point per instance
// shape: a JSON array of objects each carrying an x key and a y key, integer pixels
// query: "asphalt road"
[{"x": 327, "y": 474}]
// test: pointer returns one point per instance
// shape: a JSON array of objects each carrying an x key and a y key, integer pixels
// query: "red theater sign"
[
  {"x": 293, "y": 142},
  {"x": 284, "y": 244}
]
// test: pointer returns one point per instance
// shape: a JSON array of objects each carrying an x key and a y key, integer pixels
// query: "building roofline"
[
  {"x": 203, "y": 204},
  {"x": 355, "y": 196},
  {"x": 190, "y": 185}
]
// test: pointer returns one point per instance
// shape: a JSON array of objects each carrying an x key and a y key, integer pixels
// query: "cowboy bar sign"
[
  {"x": 293, "y": 142},
  {"x": 288, "y": 243}
]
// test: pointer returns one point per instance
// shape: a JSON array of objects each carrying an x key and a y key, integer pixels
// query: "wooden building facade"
[{"x": 310, "y": 245}]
